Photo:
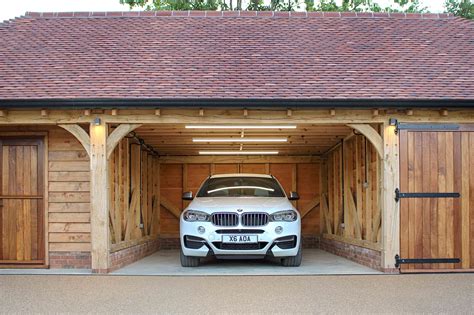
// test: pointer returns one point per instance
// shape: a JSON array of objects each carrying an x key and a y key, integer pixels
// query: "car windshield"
[{"x": 241, "y": 187}]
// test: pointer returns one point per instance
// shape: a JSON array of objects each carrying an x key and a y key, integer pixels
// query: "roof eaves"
[{"x": 276, "y": 103}]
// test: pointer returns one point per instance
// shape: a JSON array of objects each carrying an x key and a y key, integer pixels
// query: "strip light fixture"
[
  {"x": 238, "y": 152},
  {"x": 240, "y": 126},
  {"x": 240, "y": 140}
]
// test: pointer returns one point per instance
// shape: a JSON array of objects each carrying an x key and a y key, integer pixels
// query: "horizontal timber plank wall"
[
  {"x": 177, "y": 178},
  {"x": 350, "y": 200},
  {"x": 69, "y": 201}
]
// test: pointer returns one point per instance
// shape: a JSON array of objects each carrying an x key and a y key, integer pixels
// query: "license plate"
[{"x": 239, "y": 239}]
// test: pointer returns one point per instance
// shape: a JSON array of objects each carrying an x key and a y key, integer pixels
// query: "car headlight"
[
  {"x": 196, "y": 216},
  {"x": 287, "y": 216}
]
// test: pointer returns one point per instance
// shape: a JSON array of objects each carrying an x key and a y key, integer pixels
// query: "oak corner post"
[
  {"x": 99, "y": 197},
  {"x": 390, "y": 208}
]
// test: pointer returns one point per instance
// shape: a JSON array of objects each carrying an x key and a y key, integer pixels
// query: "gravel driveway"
[{"x": 441, "y": 293}]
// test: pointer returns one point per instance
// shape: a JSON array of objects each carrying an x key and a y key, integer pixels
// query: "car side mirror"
[
  {"x": 293, "y": 195},
  {"x": 188, "y": 195}
]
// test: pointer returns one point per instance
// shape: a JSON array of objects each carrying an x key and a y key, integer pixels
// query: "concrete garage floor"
[
  {"x": 166, "y": 263},
  {"x": 315, "y": 262}
]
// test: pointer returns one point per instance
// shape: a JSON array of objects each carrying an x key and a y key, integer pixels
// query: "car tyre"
[
  {"x": 188, "y": 261},
  {"x": 293, "y": 261}
]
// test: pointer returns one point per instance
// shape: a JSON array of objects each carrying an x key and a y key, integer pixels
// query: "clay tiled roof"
[{"x": 236, "y": 56}]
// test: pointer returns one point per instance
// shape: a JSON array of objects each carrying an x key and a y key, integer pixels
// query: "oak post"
[
  {"x": 390, "y": 208},
  {"x": 99, "y": 198}
]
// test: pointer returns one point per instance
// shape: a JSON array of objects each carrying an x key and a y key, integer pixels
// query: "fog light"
[
  {"x": 201, "y": 229},
  {"x": 278, "y": 229}
]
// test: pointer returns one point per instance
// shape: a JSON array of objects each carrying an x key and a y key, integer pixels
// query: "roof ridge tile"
[{"x": 242, "y": 13}]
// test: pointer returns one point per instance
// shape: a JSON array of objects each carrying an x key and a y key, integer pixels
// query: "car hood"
[{"x": 247, "y": 204}]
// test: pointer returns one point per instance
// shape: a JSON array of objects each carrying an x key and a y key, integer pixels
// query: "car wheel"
[
  {"x": 188, "y": 261},
  {"x": 293, "y": 261}
]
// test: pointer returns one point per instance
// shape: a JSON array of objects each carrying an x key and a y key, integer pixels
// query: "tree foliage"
[{"x": 464, "y": 8}]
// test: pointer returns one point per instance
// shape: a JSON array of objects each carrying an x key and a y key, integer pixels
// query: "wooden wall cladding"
[
  {"x": 177, "y": 178},
  {"x": 351, "y": 193},
  {"x": 133, "y": 195},
  {"x": 69, "y": 197},
  {"x": 437, "y": 227}
]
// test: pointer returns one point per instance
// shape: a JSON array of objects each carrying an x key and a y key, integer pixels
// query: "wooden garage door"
[
  {"x": 21, "y": 201},
  {"x": 439, "y": 225}
]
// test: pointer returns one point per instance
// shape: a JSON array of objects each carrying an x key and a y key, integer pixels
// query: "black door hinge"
[
  {"x": 399, "y": 195},
  {"x": 399, "y": 261}
]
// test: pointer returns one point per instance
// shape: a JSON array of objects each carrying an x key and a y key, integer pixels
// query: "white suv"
[{"x": 240, "y": 216}]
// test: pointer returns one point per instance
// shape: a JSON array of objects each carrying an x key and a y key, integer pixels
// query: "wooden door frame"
[{"x": 43, "y": 135}]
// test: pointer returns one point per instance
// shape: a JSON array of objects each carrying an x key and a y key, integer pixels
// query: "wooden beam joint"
[
  {"x": 80, "y": 134},
  {"x": 372, "y": 135},
  {"x": 115, "y": 136}
]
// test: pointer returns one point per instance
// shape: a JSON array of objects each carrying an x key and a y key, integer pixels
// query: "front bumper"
[{"x": 269, "y": 243}]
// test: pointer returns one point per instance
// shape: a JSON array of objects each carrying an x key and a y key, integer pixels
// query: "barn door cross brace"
[
  {"x": 399, "y": 261},
  {"x": 399, "y": 195}
]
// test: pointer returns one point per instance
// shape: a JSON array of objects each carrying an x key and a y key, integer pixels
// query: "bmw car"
[{"x": 240, "y": 216}]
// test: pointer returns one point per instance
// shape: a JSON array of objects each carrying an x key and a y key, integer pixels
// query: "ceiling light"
[
  {"x": 238, "y": 152},
  {"x": 240, "y": 127},
  {"x": 240, "y": 140}
]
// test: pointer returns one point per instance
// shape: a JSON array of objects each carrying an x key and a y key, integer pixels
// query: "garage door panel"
[
  {"x": 435, "y": 227},
  {"x": 469, "y": 230}
]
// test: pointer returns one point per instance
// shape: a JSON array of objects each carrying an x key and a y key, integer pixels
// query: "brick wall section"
[
  {"x": 311, "y": 241},
  {"x": 364, "y": 256},
  {"x": 169, "y": 243},
  {"x": 70, "y": 260},
  {"x": 132, "y": 254}
]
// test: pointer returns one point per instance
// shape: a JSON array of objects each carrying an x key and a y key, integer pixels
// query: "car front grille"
[
  {"x": 225, "y": 219},
  {"x": 254, "y": 219}
]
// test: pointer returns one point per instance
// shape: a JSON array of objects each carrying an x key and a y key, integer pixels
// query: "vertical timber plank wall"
[
  {"x": 362, "y": 188},
  {"x": 437, "y": 161},
  {"x": 350, "y": 192},
  {"x": 177, "y": 178},
  {"x": 134, "y": 203}
]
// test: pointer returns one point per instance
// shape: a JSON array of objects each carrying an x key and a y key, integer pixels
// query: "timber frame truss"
[{"x": 99, "y": 145}]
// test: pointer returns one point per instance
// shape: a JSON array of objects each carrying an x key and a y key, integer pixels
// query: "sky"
[{"x": 11, "y": 9}]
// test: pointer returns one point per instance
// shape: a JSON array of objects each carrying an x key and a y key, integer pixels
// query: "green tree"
[
  {"x": 365, "y": 6},
  {"x": 462, "y": 8},
  {"x": 175, "y": 4},
  {"x": 280, "y": 5}
]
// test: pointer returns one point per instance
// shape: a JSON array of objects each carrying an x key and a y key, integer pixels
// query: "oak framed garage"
[{"x": 116, "y": 162}]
